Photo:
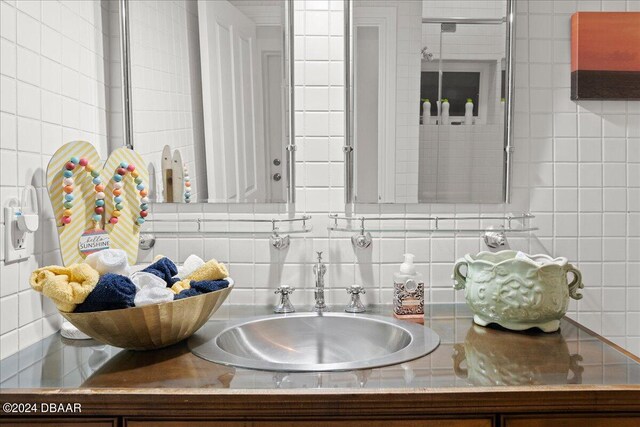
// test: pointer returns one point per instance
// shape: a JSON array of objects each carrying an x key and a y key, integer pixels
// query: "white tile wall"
[
  {"x": 55, "y": 88},
  {"x": 583, "y": 160},
  {"x": 578, "y": 212}
]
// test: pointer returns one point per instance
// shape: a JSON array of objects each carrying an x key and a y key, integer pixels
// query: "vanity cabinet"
[
  {"x": 571, "y": 421},
  {"x": 62, "y": 422},
  {"x": 435, "y": 422},
  {"x": 521, "y": 420}
]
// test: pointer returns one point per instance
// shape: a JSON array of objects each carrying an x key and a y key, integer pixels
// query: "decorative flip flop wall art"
[{"x": 97, "y": 206}]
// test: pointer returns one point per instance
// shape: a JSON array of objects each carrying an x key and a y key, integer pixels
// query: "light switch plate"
[{"x": 17, "y": 243}]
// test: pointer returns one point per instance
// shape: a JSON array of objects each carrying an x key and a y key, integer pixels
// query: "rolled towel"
[
  {"x": 153, "y": 295},
  {"x": 180, "y": 286},
  {"x": 186, "y": 294},
  {"x": 190, "y": 265},
  {"x": 112, "y": 292},
  {"x": 143, "y": 279},
  {"x": 206, "y": 286},
  {"x": 164, "y": 268},
  {"x": 109, "y": 261},
  {"x": 210, "y": 270},
  {"x": 203, "y": 287},
  {"x": 66, "y": 286}
]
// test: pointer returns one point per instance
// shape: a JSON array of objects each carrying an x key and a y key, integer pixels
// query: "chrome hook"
[
  {"x": 361, "y": 240},
  {"x": 495, "y": 238},
  {"x": 146, "y": 241},
  {"x": 277, "y": 241}
]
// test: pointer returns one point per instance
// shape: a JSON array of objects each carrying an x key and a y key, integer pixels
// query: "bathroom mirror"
[
  {"x": 209, "y": 93},
  {"x": 429, "y": 101}
]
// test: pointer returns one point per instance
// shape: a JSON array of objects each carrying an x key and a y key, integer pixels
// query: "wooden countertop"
[{"x": 474, "y": 370}]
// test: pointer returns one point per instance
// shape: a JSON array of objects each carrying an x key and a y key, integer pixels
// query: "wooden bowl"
[{"x": 151, "y": 326}]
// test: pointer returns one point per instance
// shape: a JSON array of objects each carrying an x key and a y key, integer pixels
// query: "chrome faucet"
[{"x": 319, "y": 271}]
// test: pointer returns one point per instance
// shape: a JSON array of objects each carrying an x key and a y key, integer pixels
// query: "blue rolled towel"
[
  {"x": 186, "y": 294},
  {"x": 206, "y": 286},
  {"x": 202, "y": 287},
  {"x": 164, "y": 268},
  {"x": 112, "y": 292}
]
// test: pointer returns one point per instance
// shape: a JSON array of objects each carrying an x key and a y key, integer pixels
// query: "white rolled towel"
[
  {"x": 109, "y": 261},
  {"x": 150, "y": 289},
  {"x": 191, "y": 264},
  {"x": 153, "y": 295},
  {"x": 143, "y": 279}
]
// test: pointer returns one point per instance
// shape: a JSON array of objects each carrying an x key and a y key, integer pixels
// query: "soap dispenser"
[{"x": 408, "y": 292}]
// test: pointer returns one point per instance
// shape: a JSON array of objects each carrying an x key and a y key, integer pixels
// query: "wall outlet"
[{"x": 17, "y": 244}]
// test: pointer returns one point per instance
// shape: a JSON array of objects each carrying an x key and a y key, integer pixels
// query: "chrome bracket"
[
  {"x": 363, "y": 239},
  {"x": 277, "y": 240},
  {"x": 146, "y": 241},
  {"x": 495, "y": 238}
]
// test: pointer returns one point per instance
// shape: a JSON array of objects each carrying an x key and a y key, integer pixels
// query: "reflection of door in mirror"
[
  {"x": 233, "y": 107},
  {"x": 208, "y": 99},
  {"x": 270, "y": 52},
  {"x": 375, "y": 56},
  {"x": 451, "y": 53}
]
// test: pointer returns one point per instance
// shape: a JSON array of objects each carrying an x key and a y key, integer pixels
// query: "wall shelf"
[
  {"x": 200, "y": 227},
  {"x": 434, "y": 224}
]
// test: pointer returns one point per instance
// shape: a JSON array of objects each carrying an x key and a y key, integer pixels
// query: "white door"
[{"x": 232, "y": 101}]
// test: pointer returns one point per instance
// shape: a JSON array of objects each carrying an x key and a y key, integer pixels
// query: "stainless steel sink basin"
[{"x": 313, "y": 342}]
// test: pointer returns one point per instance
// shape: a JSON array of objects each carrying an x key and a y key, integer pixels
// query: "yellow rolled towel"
[
  {"x": 181, "y": 286},
  {"x": 66, "y": 286},
  {"x": 210, "y": 270}
]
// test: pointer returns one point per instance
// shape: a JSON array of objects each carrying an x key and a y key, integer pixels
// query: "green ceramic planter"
[{"x": 517, "y": 293}]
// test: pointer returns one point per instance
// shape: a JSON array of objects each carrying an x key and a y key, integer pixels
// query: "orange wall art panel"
[{"x": 605, "y": 55}]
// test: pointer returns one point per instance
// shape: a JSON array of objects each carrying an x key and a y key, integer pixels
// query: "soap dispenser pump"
[{"x": 408, "y": 291}]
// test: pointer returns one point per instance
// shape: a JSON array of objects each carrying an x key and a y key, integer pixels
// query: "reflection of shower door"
[
  {"x": 232, "y": 101},
  {"x": 375, "y": 59}
]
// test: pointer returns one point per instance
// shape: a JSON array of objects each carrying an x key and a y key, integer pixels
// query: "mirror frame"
[
  {"x": 508, "y": 110},
  {"x": 289, "y": 94}
]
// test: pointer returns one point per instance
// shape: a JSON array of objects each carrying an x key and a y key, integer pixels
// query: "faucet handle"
[
  {"x": 284, "y": 306},
  {"x": 284, "y": 290},
  {"x": 355, "y": 305},
  {"x": 355, "y": 290}
]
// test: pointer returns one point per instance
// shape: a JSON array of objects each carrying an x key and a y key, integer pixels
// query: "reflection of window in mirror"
[
  {"x": 462, "y": 80},
  {"x": 459, "y": 85},
  {"x": 405, "y": 52}
]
